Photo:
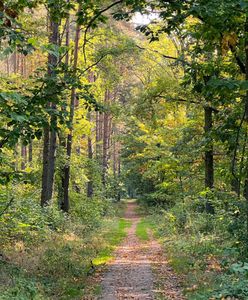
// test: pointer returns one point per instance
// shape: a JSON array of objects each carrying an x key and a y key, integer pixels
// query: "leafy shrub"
[
  {"x": 90, "y": 212},
  {"x": 26, "y": 220}
]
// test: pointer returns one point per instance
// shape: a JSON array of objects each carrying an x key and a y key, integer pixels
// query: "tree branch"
[
  {"x": 186, "y": 101},
  {"x": 7, "y": 206},
  {"x": 97, "y": 15},
  {"x": 238, "y": 60},
  {"x": 164, "y": 55}
]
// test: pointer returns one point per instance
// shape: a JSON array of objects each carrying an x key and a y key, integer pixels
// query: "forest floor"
[{"x": 139, "y": 269}]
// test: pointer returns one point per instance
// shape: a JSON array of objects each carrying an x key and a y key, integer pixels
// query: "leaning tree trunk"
[
  {"x": 49, "y": 141},
  {"x": 209, "y": 156}
]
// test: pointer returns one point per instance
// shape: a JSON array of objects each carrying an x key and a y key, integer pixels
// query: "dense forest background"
[{"x": 104, "y": 100}]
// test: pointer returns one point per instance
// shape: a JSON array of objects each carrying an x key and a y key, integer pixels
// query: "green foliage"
[
  {"x": 158, "y": 106},
  {"x": 200, "y": 245},
  {"x": 46, "y": 252},
  {"x": 91, "y": 211}
]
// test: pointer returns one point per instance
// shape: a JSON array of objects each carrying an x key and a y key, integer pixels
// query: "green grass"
[
  {"x": 142, "y": 229},
  {"x": 113, "y": 238}
]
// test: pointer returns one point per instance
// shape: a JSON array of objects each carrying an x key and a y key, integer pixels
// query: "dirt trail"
[{"x": 132, "y": 274}]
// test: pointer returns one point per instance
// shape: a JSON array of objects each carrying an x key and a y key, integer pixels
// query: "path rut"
[{"x": 130, "y": 275}]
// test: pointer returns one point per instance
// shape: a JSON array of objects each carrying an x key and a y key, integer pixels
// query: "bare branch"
[{"x": 164, "y": 55}]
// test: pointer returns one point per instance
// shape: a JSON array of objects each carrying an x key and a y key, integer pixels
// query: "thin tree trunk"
[
  {"x": 16, "y": 157},
  {"x": 90, "y": 157},
  {"x": 235, "y": 181},
  {"x": 62, "y": 137},
  {"x": 105, "y": 140},
  {"x": 209, "y": 156},
  {"x": 18, "y": 62},
  {"x": 30, "y": 153},
  {"x": 114, "y": 159},
  {"x": 24, "y": 157},
  {"x": 45, "y": 169},
  {"x": 52, "y": 157},
  {"x": 246, "y": 121},
  {"x": 13, "y": 58},
  {"x": 90, "y": 149},
  {"x": 65, "y": 203},
  {"x": 67, "y": 38},
  {"x": 119, "y": 175},
  {"x": 7, "y": 66},
  {"x": 97, "y": 135}
]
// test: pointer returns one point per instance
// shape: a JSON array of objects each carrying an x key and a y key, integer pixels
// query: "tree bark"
[
  {"x": 65, "y": 202},
  {"x": 45, "y": 167},
  {"x": 90, "y": 150},
  {"x": 62, "y": 137},
  {"x": 246, "y": 121},
  {"x": 16, "y": 154},
  {"x": 105, "y": 140},
  {"x": 49, "y": 141},
  {"x": 24, "y": 157},
  {"x": 90, "y": 157},
  {"x": 99, "y": 136},
  {"x": 30, "y": 152},
  {"x": 119, "y": 175},
  {"x": 209, "y": 155}
]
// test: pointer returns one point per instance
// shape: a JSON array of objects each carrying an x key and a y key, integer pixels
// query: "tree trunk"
[
  {"x": 7, "y": 66},
  {"x": 99, "y": 135},
  {"x": 62, "y": 137},
  {"x": 114, "y": 159},
  {"x": 30, "y": 152},
  {"x": 45, "y": 169},
  {"x": 119, "y": 175},
  {"x": 52, "y": 157},
  {"x": 49, "y": 141},
  {"x": 90, "y": 150},
  {"x": 65, "y": 202},
  {"x": 105, "y": 140},
  {"x": 209, "y": 156},
  {"x": 246, "y": 121},
  {"x": 24, "y": 157},
  {"x": 16, "y": 154},
  {"x": 90, "y": 157},
  {"x": 14, "y": 64}
]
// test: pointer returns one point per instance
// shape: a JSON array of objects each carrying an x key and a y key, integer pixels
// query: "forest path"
[{"x": 139, "y": 270}]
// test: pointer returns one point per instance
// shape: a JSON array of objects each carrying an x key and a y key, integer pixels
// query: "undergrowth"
[
  {"x": 49, "y": 255},
  {"x": 208, "y": 251}
]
